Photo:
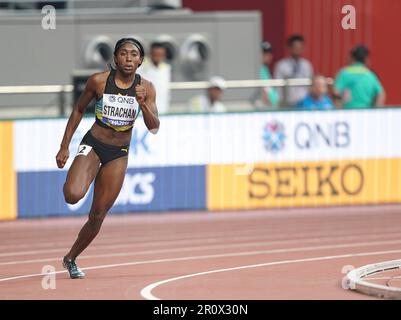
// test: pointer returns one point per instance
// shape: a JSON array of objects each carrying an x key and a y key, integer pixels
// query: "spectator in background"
[
  {"x": 211, "y": 101},
  {"x": 158, "y": 72},
  {"x": 356, "y": 85},
  {"x": 293, "y": 67},
  {"x": 317, "y": 99},
  {"x": 269, "y": 94}
]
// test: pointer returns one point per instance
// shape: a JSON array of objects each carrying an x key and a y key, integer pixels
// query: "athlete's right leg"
[
  {"x": 80, "y": 175},
  {"x": 108, "y": 184}
]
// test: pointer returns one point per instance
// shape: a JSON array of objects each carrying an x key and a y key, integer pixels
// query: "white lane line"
[
  {"x": 146, "y": 292},
  {"x": 142, "y": 239},
  {"x": 143, "y": 242},
  {"x": 159, "y": 251},
  {"x": 126, "y": 245},
  {"x": 32, "y": 275},
  {"x": 218, "y": 246},
  {"x": 106, "y": 242},
  {"x": 234, "y": 254},
  {"x": 174, "y": 242}
]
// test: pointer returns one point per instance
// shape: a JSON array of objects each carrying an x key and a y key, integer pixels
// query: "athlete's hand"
[
  {"x": 62, "y": 157},
  {"x": 140, "y": 94}
]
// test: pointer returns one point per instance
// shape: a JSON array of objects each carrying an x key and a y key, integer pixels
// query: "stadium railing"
[{"x": 62, "y": 90}]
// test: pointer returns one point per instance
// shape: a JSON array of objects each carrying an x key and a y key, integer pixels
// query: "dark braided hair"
[{"x": 135, "y": 42}]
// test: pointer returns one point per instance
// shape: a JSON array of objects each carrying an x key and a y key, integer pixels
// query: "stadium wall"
[
  {"x": 328, "y": 44},
  {"x": 218, "y": 162}
]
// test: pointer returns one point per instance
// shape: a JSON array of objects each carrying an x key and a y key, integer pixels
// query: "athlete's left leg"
[{"x": 108, "y": 183}]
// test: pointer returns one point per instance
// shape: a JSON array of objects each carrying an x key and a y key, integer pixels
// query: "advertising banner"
[
  {"x": 229, "y": 138},
  {"x": 242, "y": 160},
  {"x": 8, "y": 187},
  {"x": 145, "y": 189},
  {"x": 293, "y": 184}
]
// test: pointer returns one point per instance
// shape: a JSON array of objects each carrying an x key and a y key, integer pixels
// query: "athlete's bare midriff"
[{"x": 110, "y": 136}]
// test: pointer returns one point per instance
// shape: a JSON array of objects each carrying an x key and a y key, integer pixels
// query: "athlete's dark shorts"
[{"x": 106, "y": 152}]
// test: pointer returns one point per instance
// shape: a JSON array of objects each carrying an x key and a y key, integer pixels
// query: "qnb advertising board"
[
  {"x": 227, "y": 161},
  {"x": 308, "y": 159}
]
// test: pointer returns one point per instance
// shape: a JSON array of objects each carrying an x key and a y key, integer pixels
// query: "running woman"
[{"x": 121, "y": 95}]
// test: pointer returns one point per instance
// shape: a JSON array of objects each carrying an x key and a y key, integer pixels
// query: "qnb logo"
[
  {"x": 274, "y": 136},
  {"x": 128, "y": 100},
  {"x": 121, "y": 99},
  {"x": 333, "y": 135},
  {"x": 138, "y": 189}
]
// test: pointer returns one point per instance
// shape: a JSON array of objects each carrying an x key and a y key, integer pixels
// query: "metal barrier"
[
  {"x": 355, "y": 280},
  {"x": 230, "y": 84}
]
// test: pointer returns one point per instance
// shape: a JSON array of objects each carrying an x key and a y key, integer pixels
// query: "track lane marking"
[
  {"x": 210, "y": 240},
  {"x": 147, "y": 294},
  {"x": 211, "y": 247},
  {"x": 190, "y": 258}
]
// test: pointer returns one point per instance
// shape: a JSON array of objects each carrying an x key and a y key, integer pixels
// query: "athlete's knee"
[
  {"x": 72, "y": 195},
  {"x": 96, "y": 218}
]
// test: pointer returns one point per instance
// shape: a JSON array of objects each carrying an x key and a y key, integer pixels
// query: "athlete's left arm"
[{"x": 146, "y": 97}]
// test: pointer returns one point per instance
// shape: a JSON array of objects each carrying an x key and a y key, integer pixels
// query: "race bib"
[
  {"x": 83, "y": 150},
  {"x": 119, "y": 110}
]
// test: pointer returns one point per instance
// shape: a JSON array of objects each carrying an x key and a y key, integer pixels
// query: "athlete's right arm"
[{"x": 75, "y": 118}]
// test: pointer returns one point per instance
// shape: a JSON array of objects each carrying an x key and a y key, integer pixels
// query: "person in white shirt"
[
  {"x": 294, "y": 67},
  {"x": 211, "y": 100},
  {"x": 158, "y": 72}
]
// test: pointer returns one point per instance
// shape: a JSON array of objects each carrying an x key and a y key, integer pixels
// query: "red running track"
[{"x": 262, "y": 255}]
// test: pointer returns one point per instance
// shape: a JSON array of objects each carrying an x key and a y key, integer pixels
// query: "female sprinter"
[{"x": 103, "y": 153}]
